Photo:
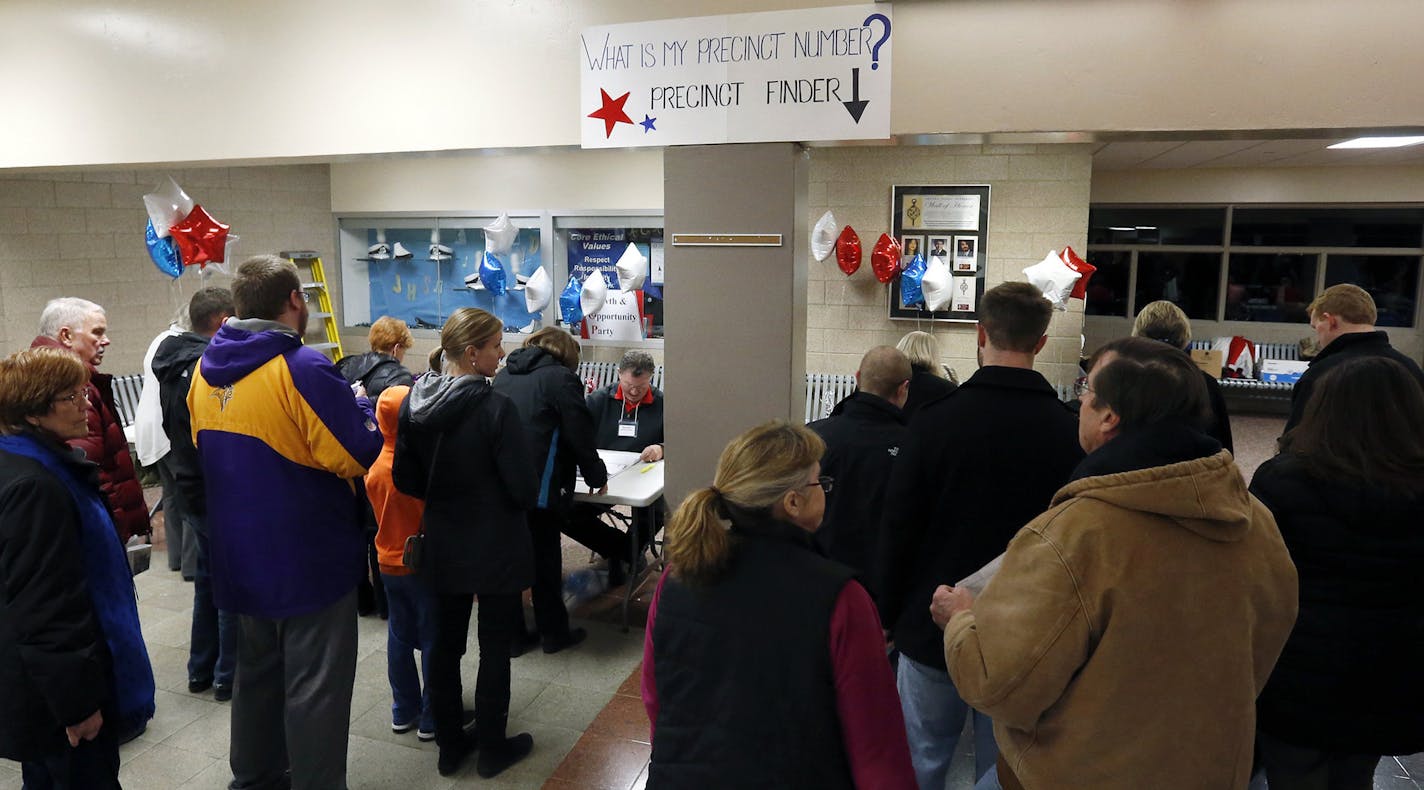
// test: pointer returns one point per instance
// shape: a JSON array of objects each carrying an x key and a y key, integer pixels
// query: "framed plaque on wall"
[{"x": 949, "y": 227}]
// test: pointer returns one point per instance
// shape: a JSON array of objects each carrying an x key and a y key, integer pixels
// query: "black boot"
[{"x": 494, "y": 758}]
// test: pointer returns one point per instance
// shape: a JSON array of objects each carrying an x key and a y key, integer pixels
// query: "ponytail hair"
[
  {"x": 437, "y": 360},
  {"x": 753, "y": 473}
]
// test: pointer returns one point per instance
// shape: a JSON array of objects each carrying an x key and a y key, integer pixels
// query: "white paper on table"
[
  {"x": 965, "y": 290},
  {"x": 978, "y": 580}
]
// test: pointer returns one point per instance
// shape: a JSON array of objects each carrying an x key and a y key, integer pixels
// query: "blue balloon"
[
  {"x": 570, "y": 306},
  {"x": 164, "y": 253},
  {"x": 910, "y": 291},
  {"x": 653, "y": 289},
  {"x": 492, "y": 275}
]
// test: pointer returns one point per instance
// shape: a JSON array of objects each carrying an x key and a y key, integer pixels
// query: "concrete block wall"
[
  {"x": 81, "y": 233},
  {"x": 1038, "y": 202}
]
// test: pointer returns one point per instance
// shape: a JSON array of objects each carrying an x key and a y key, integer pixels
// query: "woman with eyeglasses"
[
  {"x": 764, "y": 662},
  {"x": 74, "y": 672}
]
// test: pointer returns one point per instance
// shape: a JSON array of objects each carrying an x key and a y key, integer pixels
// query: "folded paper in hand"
[{"x": 978, "y": 580}]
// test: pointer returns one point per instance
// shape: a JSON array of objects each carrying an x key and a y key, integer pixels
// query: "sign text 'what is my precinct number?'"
[{"x": 812, "y": 74}]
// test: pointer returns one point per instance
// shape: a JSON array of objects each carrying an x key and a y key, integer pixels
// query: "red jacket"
[{"x": 107, "y": 446}]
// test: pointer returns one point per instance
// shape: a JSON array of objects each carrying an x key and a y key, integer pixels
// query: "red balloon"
[
  {"x": 848, "y": 251},
  {"x": 200, "y": 238},
  {"x": 1080, "y": 288},
  {"x": 885, "y": 258}
]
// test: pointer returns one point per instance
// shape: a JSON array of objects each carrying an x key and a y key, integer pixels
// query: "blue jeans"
[
  {"x": 411, "y": 627},
  {"x": 934, "y": 718},
  {"x": 212, "y": 651}
]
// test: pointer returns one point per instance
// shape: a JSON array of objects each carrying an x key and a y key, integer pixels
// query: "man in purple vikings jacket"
[{"x": 280, "y": 436}]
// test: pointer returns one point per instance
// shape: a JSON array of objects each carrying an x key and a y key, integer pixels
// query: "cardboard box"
[
  {"x": 1210, "y": 361},
  {"x": 1282, "y": 371}
]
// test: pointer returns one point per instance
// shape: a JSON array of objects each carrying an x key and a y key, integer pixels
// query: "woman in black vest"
[
  {"x": 460, "y": 447},
  {"x": 764, "y": 663},
  {"x": 1347, "y": 490}
]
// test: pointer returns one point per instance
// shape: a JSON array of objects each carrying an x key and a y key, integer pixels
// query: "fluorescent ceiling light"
[
  {"x": 1379, "y": 142},
  {"x": 1121, "y": 229},
  {"x": 1145, "y": 227}
]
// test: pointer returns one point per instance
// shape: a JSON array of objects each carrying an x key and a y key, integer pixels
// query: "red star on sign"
[{"x": 611, "y": 113}]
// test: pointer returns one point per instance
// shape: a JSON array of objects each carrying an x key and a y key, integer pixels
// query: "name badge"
[{"x": 627, "y": 430}]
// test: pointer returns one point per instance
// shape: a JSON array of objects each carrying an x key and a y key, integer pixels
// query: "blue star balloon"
[
  {"x": 164, "y": 253},
  {"x": 492, "y": 275},
  {"x": 570, "y": 304},
  {"x": 910, "y": 292}
]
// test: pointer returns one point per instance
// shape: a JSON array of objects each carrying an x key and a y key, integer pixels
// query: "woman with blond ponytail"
[{"x": 763, "y": 661}]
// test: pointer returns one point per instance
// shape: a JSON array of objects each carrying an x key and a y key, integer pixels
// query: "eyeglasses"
[
  {"x": 1081, "y": 386},
  {"x": 73, "y": 398},
  {"x": 306, "y": 297},
  {"x": 825, "y": 482}
]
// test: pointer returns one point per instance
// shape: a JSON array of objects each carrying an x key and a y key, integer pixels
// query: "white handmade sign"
[
  {"x": 618, "y": 319},
  {"x": 810, "y": 74}
]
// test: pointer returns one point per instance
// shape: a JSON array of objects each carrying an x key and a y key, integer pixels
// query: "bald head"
[{"x": 885, "y": 372}]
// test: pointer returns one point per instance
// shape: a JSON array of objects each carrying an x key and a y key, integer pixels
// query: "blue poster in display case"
[
  {"x": 598, "y": 250},
  {"x": 424, "y": 288}
]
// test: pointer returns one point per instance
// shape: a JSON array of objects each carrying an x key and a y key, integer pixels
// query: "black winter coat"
[
  {"x": 1219, "y": 426},
  {"x": 863, "y": 435},
  {"x": 1346, "y": 346},
  {"x": 375, "y": 371},
  {"x": 54, "y": 666},
  {"x": 1349, "y": 678},
  {"x": 925, "y": 387},
  {"x": 557, "y": 423},
  {"x": 608, "y": 410},
  {"x": 173, "y": 364},
  {"x": 461, "y": 448},
  {"x": 977, "y": 466}
]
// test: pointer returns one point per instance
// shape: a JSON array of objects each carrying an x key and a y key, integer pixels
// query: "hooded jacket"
[
  {"x": 1125, "y": 638},
  {"x": 375, "y": 371},
  {"x": 173, "y": 365},
  {"x": 557, "y": 423},
  {"x": 280, "y": 436},
  {"x": 397, "y": 515},
  {"x": 460, "y": 447},
  {"x": 107, "y": 446}
]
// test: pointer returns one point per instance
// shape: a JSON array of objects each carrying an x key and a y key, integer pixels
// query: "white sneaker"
[
  {"x": 439, "y": 252},
  {"x": 379, "y": 251},
  {"x": 401, "y": 252}
]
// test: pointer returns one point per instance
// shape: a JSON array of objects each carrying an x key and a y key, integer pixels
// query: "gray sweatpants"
[{"x": 291, "y": 702}]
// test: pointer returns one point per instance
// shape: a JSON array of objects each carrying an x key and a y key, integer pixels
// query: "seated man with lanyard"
[{"x": 627, "y": 416}]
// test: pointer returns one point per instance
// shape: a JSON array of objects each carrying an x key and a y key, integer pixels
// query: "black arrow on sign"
[{"x": 855, "y": 106}]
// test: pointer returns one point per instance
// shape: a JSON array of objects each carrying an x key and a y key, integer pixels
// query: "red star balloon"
[
  {"x": 848, "y": 251},
  {"x": 611, "y": 113},
  {"x": 885, "y": 258},
  {"x": 1080, "y": 288},
  {"x": 200, "y": 238}
]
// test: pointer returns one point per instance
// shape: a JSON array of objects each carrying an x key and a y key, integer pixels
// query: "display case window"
[
  {"x": 421, "y": 270},
  {"x": 592, "y": 247}
]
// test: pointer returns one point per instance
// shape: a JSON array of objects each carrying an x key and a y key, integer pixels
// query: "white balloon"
[
  {"x": 538, "y": 291},
  {"x": 937, "y": 285},
  {"x": 823, "y": 236},
  {"x": 499, "y": 235},
  {"x": 594, "y": 294},
  {"x": 1053, "y": 277},
  {"x": 167, "y": 204},
  {"x": 632, "y": 269}
]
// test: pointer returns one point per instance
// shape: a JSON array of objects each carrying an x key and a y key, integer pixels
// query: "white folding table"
[{"x": 639, "y": 486}]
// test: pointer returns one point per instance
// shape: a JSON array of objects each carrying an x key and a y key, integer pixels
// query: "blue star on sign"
[{"x": 647, "y": 124}]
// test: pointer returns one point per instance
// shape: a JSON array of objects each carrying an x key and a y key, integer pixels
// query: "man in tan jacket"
[{"x": 1124, "y": 640}]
